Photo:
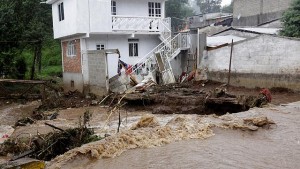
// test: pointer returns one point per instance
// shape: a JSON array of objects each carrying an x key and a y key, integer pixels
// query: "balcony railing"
[{"x": 138, "y": 24}]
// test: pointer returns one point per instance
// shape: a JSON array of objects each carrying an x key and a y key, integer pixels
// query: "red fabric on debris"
[
  {"x": 191, "y": 75},
  {"x": 267, "y": 93},
  {"x": 129, "y": 70}
]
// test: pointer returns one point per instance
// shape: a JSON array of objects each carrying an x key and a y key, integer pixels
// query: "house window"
[
  {"x": 71, "y": 48},
  {"x": 100, "y": 47},
  {"x": 113, "y": 7},
  {"x": 61, "y": 13},
  {"x": 133, "y": 47},
  {"x": 154, "y": 9}
]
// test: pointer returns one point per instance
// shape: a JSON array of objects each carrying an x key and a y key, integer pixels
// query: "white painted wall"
[
  {"x": 68, "y": 25},
  {"x": 146, "y": 44},
  {"x": 136, "y": 7},
  {"x": 94, "y": 16},
  {"x": 264, "y": 54},
  {"x": 82, "y": 16},
  {"x": 100, "y": 16}
]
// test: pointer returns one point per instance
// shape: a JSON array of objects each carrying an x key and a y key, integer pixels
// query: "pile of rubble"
[
  {"x": 71, "y": 99},
  {"x": 185, "y": 98}
]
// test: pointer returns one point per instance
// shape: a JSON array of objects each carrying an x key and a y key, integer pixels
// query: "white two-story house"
[{"x": 134, "y": 27}]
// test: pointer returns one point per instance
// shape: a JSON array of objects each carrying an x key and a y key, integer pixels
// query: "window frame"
[
  {"x": 113, "y": 8},
  {"x": 154, "y": 9},
  {"x": 133, "y": 47},
  {"x": 100, "y": 46},
  {"x": 71, "y": 48},
  {"x": 61, "y": 12}
]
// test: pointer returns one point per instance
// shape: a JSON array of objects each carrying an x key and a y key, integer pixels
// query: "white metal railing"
[
  {"x": 165, "y": 28},
  {"x": 136, "y": 23},
  {"x": 167, "y": 48}
]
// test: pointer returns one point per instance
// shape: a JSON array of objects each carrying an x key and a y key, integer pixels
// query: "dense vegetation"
[
  {"x": 291, "y": 20},
  {"x": 26, "y": 40},
  {"x": 209, "y": 6}
]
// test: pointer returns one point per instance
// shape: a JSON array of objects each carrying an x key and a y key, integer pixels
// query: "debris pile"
[
  {"x": 68, "y": 100},
  {"x": 186, "y": 99},
  {"x": 46, "y": 147}
]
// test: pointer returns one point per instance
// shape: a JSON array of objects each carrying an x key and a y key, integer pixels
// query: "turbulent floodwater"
[
  {"x": 227, "y": 149},
  {"x": 276, "y": 147}
]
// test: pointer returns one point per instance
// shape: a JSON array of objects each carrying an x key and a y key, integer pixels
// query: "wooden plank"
[{"x": 23, "y": 81}]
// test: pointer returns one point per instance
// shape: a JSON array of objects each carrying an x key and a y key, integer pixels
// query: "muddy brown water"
[{"x": 277, "y": 147}]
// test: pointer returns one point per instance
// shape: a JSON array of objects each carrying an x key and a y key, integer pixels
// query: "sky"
[{"x": 225, "y": 2}]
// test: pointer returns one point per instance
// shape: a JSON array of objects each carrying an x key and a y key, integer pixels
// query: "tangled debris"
[
  {"x": 46, "y": 147},
  {"x": 71, "y": 99}
]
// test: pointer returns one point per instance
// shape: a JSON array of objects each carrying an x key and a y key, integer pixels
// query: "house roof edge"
[{"x": 50, "y": 1}]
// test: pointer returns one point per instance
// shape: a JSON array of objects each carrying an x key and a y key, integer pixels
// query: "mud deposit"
[{"x": 190, "y": 98}]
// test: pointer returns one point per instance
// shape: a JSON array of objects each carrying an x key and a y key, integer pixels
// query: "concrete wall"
[
  {"x": 68, "y": 25},
  {"x": 97, "y": 64},
  {"x": 274, "y": 24},
  {"x": 100, "y": 16},
  {"x": 75, "y": 78},
  {"x": 255, "y": 12},
  {"x": 146, "y": 44},
  {"x": 179, "y": 64},
  {"x": 264, "y": 61},
  {"x": 203, "y": 21}
]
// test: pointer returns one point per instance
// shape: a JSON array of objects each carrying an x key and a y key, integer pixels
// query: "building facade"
[
  {"x": 256, "y": 12},
  {"x": 134, "y": 27}
]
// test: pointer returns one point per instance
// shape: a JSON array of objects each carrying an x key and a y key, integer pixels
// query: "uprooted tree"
[{"x": 291, "y": 20}]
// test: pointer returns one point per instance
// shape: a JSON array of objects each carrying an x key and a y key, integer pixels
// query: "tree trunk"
[
  {"x": 39, "y": 56},
  {"x": 34, "y": 62}
]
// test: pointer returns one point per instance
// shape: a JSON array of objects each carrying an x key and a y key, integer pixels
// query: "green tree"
[
  {"x": 24, "y": 24},
  {"x": 178, "y": 10},
  {"x": 209, "y": 6},
  {"x": 291, "y": 20},
  {"x": 228, "y": 8}
]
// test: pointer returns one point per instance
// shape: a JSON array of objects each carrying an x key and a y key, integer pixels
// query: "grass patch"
[{"x": 51, "y": 61}]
